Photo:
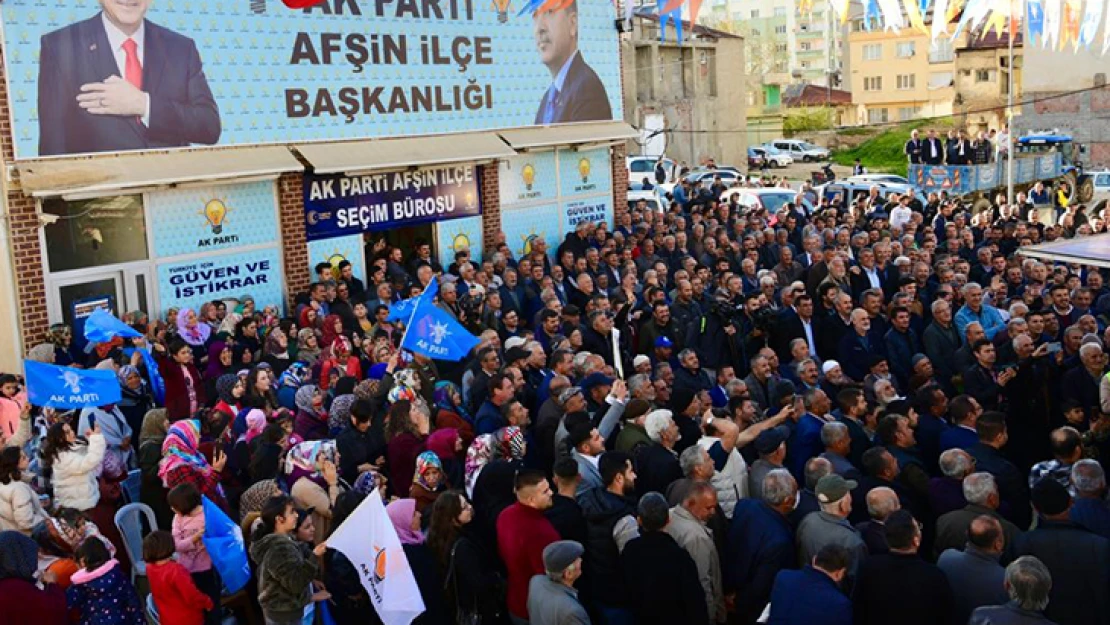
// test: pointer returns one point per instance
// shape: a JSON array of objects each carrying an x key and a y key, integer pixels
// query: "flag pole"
[{"x": 408, "y": 324}]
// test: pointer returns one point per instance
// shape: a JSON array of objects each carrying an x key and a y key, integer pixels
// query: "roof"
[
  {"x": 1044, "y": 138},
  {"x": 991, "y": 40},
  {"x": 814, "y": 95},
  {"x": 703, "y": 31},
  {"x": 1092, "y": 250}
]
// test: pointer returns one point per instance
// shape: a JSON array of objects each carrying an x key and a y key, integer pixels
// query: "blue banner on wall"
[
  {"x": 190, "y": 283},
  {"x": 340, "y": 205}
]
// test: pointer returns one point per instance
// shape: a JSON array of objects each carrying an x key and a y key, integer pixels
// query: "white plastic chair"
[{"x": 129, "y": 524}]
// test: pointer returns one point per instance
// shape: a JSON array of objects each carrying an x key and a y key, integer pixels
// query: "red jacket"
[
  {"x": 177, "y": 598},
  {"x": 522, "y": 535},
  {"x": 24, "y": 603},
  {"x": 177, "y": 397}
]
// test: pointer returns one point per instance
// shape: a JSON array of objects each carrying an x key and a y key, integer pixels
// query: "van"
[{"x": 801, "y": 150}]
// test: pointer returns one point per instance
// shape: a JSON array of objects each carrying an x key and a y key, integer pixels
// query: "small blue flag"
[
  {"x": 435, "y": 334},
  {"x": 66, "y": 387},
  {"x": 402, "y": 310},
  {"x": 102, "y": 326},
  {"x": 157, "y": 384},
  {"x": 224, "y": 541}
]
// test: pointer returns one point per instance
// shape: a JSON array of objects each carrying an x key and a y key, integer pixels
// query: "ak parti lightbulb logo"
[{"x": 301, "y": 4}]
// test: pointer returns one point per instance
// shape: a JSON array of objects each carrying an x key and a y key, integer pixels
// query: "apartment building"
[
  {"x": 982, "y": 75},
  {"x": 899, "y": 76}
]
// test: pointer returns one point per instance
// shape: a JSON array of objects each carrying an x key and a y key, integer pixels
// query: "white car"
[
  {"x": 770, "y": 199},
  {"x": 652, "y": 198},
  {"x": 640, "y": 167},
  {"x": 800, "y": 150},
  {"x": 879, "y": 178},
  {"x": 775, "y": 158},
  {"x": 1101, "y": 180}
]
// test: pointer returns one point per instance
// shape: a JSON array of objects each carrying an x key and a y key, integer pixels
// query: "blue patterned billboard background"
[
  {"x": 585, "y": 172},
  {"x": 522, "y": 225},
  {"x": 203, "y": 219},
  {"x": 339, "y": 249},
  {"x": 281, "y": 75},
  {"x": 530, "y": 177},
  {"x": 458, "y": 234}
]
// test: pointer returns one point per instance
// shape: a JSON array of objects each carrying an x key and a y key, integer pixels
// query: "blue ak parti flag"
[
  {"x": 66, "y": 387},
  {"x": 402, "y": 310},
  {"x": 224, "y": 541},
  {"x": 437, "y": 335},
  {"x": 102, "y": 326},
  {"x": 157, "y": 384}
]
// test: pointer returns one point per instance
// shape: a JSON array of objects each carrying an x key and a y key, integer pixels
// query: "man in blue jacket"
[
  {"x": 812, "y": 596},
  {"x": 760, "y": 543}
]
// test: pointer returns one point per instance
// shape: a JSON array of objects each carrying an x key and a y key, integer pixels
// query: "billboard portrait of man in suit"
[
  {"x": 576, "y": 93},
  {"x": 118, "y": 81}
]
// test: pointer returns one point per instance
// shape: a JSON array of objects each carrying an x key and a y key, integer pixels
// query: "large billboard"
[{"x": 153, "y": 75}]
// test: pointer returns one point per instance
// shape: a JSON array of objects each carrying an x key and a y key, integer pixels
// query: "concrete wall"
[
  {"x": 698, "y": 87},
  {"x": 1068, "y": 92}
]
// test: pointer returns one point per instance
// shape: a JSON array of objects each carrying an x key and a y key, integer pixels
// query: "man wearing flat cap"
[
  {"x": 830, "y": 525},
  {"x": 552, "y": 598}
]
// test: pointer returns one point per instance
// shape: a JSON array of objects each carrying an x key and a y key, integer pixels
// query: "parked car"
[
  {"x": 755, "y": 158},
  {"x": 653, "y": 198},
  {"x": 640, "y": 167},
  {"x": 850, "y": 191},
  {"x": 775, "y": 157},
  {"x": 800, "y": 150},
  {"x": 1101, "y": 181},
  {"x": 770, "y": 199},
  {"x": 883, "y": 178}
]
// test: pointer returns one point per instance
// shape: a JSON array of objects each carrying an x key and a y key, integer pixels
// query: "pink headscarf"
[
  {"x": 400, "y": 513},
  {"x": 256, "y": 422},
  {"x": 196, "y": 335},
  {"x": 442, "y": 442}
]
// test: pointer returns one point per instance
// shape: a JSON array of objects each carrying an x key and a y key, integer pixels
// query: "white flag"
[{"x": 369, "y": 541}]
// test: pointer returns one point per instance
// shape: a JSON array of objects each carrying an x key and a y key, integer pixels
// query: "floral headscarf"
[
  {"x": 303, "y": 398},
  {"x": 366, "y": 483},
  {"x": 43, "y": 352},
  {"x": 425, "y": 462},
  {"x": 296, "y": 375},
  {"x": 304, "y": 352},
  {"x": 231, "y": 320},
  {"x": 225, "y": 384},
  {"x": 366, "y": 389},
  {"x": 444, "y": 398},
  {"x": 273, "y": 347},
  {"x": 125, "y": 372},
  {"x": 407, "y": 377},
  {"x": 340, "y": 413},
  {"x": 478, "y": 455},
  {"x": 401, "y": 513},
  {"x": 301, "y": 459},
  {"x": 340, "y": 347},
  {"x": 181, "y": 449},
  {"x": 196, "y": 335},
  {"x": 509, "y": 442},
  {"x": 401, "y": 393}
]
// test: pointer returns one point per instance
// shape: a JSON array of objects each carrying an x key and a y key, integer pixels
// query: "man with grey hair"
[
  {"x": 1028, "y": 584},
  {"x": 964, "y": 356},
  {"x": 697, "y": 466},
  {"x": 881, "y": 503},
  {"x": 690, "y": 375},
  {"x": 552, "y": 598},
  {"x": 688, "y": 528},
  {"x": 657, "y": 465},
  {"x": 838, "y": 443},
  {"x": 981, "y": 493},
  {"x": 761, "y": 543},
  {"x": 946, "y": 493},
  {"x": 975, "y": 575},
  {"x": 940, "y": 341},
  {"x": 640, "y": 387},
  {"x": 1089, "y": 507},
  {"x": 1084, "y": 383}
]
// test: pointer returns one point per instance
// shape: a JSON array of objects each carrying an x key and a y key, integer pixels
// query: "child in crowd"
[
  {"x": 101, "y": 593},
  {"x": 285, "y": 575},
  {"x": 176, "y": 596},
  {"x": 188, "y": 538}
]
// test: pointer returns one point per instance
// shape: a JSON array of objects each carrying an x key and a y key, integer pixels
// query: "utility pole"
[{"x": 1010, "y": 110}]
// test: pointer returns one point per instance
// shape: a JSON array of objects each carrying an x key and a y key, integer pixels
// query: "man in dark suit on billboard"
[
  {"x": 117, "y": 81},
  {"x": 576, "y": 93}
]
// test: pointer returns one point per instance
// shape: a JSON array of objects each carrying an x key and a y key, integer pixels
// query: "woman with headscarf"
[
  {"x": 276, "y": 351},
  {"x": 450, "y": 412},
  {"x": 428, "y": 481},
  {"x": 192, "y": 331},
  {"x": 340, "y": 359},
  {"x": 220, "y": 358},
  {"x": 185, "y": 393},
  {"x": 43, "y": 352},
  {"x": 151, "y": 490},
  {"x": 313, "y": 475},
  {"x": 171, "y": 322},
  {"x": 182, "y": 462},
  {"x": 407, "y": 521},
  {"x": 61, "y": 337},
  {"x": 117, "y": 432},
  {"x": 478, "y": 455},
  {"x": 311, "y": 422},
  {"x": 292, "y": 379},
  {"x": 493, "y": 489},
  {"x": 332, "y": 328},
  {"x": 229, "y": 323},
  {"x": 339, "y": 414},
  {"x": 209, "y": 315},
  {"x": 308, "y": 346},
  {"x": 448, "y": 447},
  {"x": 230, "y": 389},
  {"x": 246, "y": 305},
  {"x": 135, "y": 396},
  {"x": 24, "y": 602},
  {"x": 405, "y": 433},
  {"x": 243, "y": 448}
]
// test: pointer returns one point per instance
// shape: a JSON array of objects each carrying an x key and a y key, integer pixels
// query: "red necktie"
[{"x": 132, "y": 69}]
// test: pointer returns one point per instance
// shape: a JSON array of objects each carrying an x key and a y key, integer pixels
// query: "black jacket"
[
  {"x": 1012, "y": 485},
  {"x": 656, "y": 468},
  {"x": 903, "y": 589},
  {"x": 1079, "y": 562},
  {"x": 601, "y": 568},
  {"x": 566, "y": 516},
  {"x": 357, "y": 448},
  {"x": 675, "y": 596}
]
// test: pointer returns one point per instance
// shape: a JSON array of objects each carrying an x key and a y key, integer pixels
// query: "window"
[
  {"x": 905, "y": 49},
  {"x": 940, "y": 80},
  {"x": 780, "y": 30},
  {"x": 95, "y": 233},
  {"x": 806, "y": 46},
  {"x": 907, "y": 81},
  {"x": 942, "y": 51},
  {"x": 780, "y": 47},
  {"x": 873, "y": 52},
  {"x": 876, "y": 116},
  {"x": 873, "y": 83},
  {"x": 985, "y": 75},
  {"x": 780, "y": 11},
  {"x": 755, "y": 14},
  {"x": 908, "y": 112}
]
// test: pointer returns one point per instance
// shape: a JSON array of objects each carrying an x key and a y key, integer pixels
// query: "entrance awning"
[
  {"x": 568, "y": 134},
  {"x": 106, "y": 175},
  {"x": 1092, "y": 250},
  {"x": 378, "y": 154}
]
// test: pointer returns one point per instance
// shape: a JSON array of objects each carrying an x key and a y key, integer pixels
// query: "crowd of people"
[
  {"x": 706, "y": 415},
  {"x": 958, "y": 147}
]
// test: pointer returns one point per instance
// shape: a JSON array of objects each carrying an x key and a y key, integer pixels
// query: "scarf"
[
  {"x": 301, "y": 460},
  {"x": 477, "y": 456},
  {"x": 366, "y": 483},
  {"x": 425, "y": 462},
  {"x": 18, "y": 556},
  {"x": 256, "y": 422},
  {"x": 225, "y": 385},
  {"x": 215, "y": 368},
  {"x": 181, "y": 449},
  {"x": 303, "y": 399},
  {"x": 155, "y": 427},
  {"x": 231, "y": 320},
  {"x": 295, "y": 376},
  {"x": 272, "y": 347},
  {"x": 330, "y": 333},
  {"x": 444, "y": 394},
  {"x": 443, "y": 442},
  {"x": 304, "y": 352},
  {"x": 509, "y": 443},
  {"x": 196, "y": 335},
  {"x": 401, "y": 513},
  {"x": 340, "y": 413}
]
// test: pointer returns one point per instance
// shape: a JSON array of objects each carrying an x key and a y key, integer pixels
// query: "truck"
[{"x": 1048, "y": 157}]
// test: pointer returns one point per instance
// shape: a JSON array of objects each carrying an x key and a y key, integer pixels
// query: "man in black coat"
[
  {"x": 1012, "y": 486},
  {"x": 913, "y": 148},
  {"x": 1078, "y": 560},
  {"x": 760, "y": 544},
  {"x": 900, "y": 587},
  {"x": 653, "y": 596}
]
